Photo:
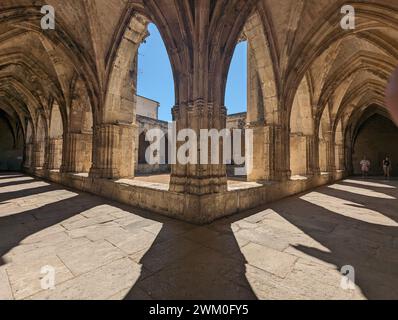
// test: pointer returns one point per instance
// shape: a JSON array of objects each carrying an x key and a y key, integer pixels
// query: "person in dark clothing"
[{"x": 387, "y": 167}]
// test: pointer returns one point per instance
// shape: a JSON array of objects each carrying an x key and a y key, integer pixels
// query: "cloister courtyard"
[{"x": 206, "y": 149}]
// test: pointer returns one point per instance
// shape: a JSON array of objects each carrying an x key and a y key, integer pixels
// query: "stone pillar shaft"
[
  {"x": 339, "y": 154},
  {"x": 77, "y": 153},
  {"x": 114, "y": 153},
  {"x": 28, "y": 155},
  {"x": 312, "y": 168},
  {"x": 54, "y": 150},
  {"x": 270, "y": 155},
  {"x": 199, "y": 178},
  {"x": 38, "y": 154},
  {"x": 330, "y": 150}
]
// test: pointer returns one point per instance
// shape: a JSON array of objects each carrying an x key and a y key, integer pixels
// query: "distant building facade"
[{"x": 148, "y": 118}]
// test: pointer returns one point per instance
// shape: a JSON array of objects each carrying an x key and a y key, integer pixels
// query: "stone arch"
[
  {"x": 326, "y": 31},
  {"x": 264, "y": 115},
  {"x": 375, "y": 137},
  {"x": 78, "y": 136},
  {"x": 118, "y": 117},
  {"x": 263, "y": 102},
  {"x": 122, "y": 73},
  {"x": 302, "y": 132}
]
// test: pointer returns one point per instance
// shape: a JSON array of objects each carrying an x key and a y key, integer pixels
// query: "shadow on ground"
[
  {"x": 371, "y": 248},
  {"x": 184, "y": 262},
  {"x": 189, "y": 262}
]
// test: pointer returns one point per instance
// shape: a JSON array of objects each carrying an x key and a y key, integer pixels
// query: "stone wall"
[{"x": 187, "y": 207}]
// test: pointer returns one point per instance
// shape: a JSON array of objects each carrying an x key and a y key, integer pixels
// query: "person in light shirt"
[{"x": 365, "y": 166}]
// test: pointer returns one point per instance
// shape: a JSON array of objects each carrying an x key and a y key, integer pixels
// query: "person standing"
[
  {"x": 387, "y": 167},
  {"x": 365, "y": 166}
]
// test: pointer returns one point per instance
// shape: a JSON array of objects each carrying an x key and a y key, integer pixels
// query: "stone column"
[
  {"x": 77, "y": 152},
  {"x": 28, "y": 155},
  {"x": 302, "y": 159},
  {"x": 330, "y": 159},
  {"x": 114, "y": 151},
  {"x": 348, "y": 150},
  {"x": 270, "y": 153},
  {"x": 339, "y": 154},
  {"x": 54, "y": 160},
  {"x": 38, "y": 155},
  {"x": 312, "y": 167},
  {"x": 261, "y": 169},
  {"x": 199, "y": 178}
]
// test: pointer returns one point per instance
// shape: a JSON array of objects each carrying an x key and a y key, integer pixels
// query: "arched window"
[
  {"x": 155, "y": 98},
  {"x": 236, "y": 102}
]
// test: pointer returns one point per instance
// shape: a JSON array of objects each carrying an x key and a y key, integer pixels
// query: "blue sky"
[{"x": 155, "y": 78}]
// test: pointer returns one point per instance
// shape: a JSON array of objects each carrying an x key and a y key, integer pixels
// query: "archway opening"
[
  {"x": 376, "y": 139},
  {"x": 11, "y": 144},
  {"x": 154, "y": 99},
  {"x": 236, "y": 96}
]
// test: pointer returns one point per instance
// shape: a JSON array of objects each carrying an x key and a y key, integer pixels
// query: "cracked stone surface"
[{"x": 293, "y": 249}]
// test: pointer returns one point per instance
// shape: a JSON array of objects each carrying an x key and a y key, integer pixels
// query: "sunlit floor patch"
[
  {"x": 361, "y": 191},
  {"x": 348, "y": 209},
  {"x": 370, "y": 184},
  {"x": 24, "y": 186},
  {"x": 13, "y": 179}
]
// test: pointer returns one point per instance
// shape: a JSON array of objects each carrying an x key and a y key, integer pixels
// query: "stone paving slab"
[{"x": 5, "y": 288}]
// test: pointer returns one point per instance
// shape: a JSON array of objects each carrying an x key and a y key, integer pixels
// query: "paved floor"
[{"x": 293, "y": 249}]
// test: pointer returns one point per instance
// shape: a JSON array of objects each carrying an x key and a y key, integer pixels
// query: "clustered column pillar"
[
  {"x": 339, "y": 156},
  {"x": 197, "y": 178},
  {"x": 28, "y": 155},
  {"x": 114, "y": 148},
  {"x": 312, "y": 167},
  {"x": 54, "y": 160},
  {"x": 77, "y": 152},
  {"x": 270, "y": 153},
  {"x": 38, "y": 155},
  {"x": 330, "y": 157},
  {"x": 348, "y": 157}
]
